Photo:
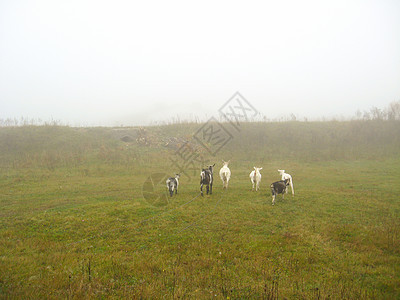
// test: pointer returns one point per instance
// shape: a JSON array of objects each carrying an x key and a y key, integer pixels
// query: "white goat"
[
  {"x": 289, "y": 177},
  {"x": 225, "y": 174},
  {"x": 255, "y": 177}
]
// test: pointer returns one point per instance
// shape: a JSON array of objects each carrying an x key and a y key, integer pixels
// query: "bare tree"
[{"x": 393, "y": 111}]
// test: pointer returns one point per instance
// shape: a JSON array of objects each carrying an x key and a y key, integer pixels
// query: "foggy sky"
[{"x": 136, "y": 62}]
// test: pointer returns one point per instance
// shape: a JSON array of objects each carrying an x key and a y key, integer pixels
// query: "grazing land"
[{"x": 77, "y": 219}]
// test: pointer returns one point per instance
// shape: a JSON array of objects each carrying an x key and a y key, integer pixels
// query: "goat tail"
[
  {"x": 202, "y": 176},
  {"x": 171, "y": 189}
]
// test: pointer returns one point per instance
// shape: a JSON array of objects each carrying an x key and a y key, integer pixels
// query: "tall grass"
[{"x": 74, "y": 223}]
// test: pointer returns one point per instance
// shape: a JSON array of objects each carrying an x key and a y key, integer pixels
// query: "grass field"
[{"x": 74, "y": 223}]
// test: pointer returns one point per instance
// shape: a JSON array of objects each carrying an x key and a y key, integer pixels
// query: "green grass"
[{"x": 82, "y": 229}]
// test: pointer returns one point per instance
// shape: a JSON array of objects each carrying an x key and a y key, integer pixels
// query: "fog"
[{"x": 136, "y": 63}]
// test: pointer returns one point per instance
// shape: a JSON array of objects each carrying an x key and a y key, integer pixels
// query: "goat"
[
  {"x": 172, "y": 184},
  {"x": 206, "y": 178},
  {"x": 278, "y": 187},
  {"x": 225, "y": 174},
  {"x": 289, "y": 177},
  {"x": 255, "y": 177}
]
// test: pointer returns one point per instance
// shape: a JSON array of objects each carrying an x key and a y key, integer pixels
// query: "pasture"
[{"x": 74, "y": 223}]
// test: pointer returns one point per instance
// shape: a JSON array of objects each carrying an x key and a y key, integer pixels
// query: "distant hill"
[{"x": 54, "y": 146}]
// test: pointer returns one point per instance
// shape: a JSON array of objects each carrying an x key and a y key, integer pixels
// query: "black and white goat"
[
  {"x": 278, "y": 187},
  {"x": 206, "y": 178},
  {"x": 172, "y": 184}
]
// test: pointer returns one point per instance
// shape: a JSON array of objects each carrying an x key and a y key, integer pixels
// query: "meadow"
[{"x": 75, "y": 221}]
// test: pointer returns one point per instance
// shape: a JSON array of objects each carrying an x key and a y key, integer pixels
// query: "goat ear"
[
  {"x": 261, "y": 168},
  {"x": 254, "y": 168},
  {"x": 213, "y": 165}
]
